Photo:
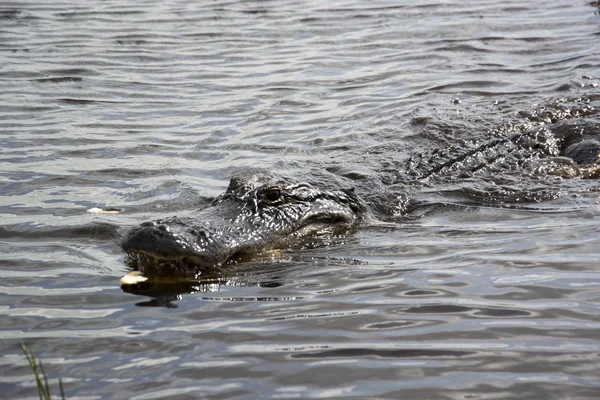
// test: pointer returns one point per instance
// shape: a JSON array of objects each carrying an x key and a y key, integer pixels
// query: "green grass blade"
[{"x": 31, "y": 359}]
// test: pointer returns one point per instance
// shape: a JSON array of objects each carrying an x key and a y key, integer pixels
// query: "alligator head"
[{"x": 257, "y": 212}]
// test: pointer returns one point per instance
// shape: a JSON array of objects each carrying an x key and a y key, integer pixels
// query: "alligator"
[{"x": 261, "y": 211}]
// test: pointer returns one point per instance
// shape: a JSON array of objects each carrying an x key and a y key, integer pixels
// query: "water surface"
[{"x": 149, "y": 108}]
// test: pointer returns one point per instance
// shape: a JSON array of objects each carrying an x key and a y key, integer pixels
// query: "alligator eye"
[{"x": 273, "y": 195}]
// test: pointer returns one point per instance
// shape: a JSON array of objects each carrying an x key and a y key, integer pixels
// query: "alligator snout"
[{"x": 174, "y": 240}]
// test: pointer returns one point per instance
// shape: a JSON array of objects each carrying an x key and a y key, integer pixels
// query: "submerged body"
[{"x": 261, "y": 211}]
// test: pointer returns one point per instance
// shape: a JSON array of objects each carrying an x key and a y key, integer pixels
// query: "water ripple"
[{"x": 149, "y": 108}]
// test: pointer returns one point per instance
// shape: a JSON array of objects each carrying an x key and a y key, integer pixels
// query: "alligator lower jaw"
[{"x": 143, "y": 259}]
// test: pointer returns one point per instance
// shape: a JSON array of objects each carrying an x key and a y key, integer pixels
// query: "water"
[{"x": 149, "y": 108}]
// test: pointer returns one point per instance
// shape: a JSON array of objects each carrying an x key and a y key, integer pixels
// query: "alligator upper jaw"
[{"x": 155, "y": 243}]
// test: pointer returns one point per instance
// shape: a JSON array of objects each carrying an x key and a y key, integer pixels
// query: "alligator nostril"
[{"x": 162, "y": 228}]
